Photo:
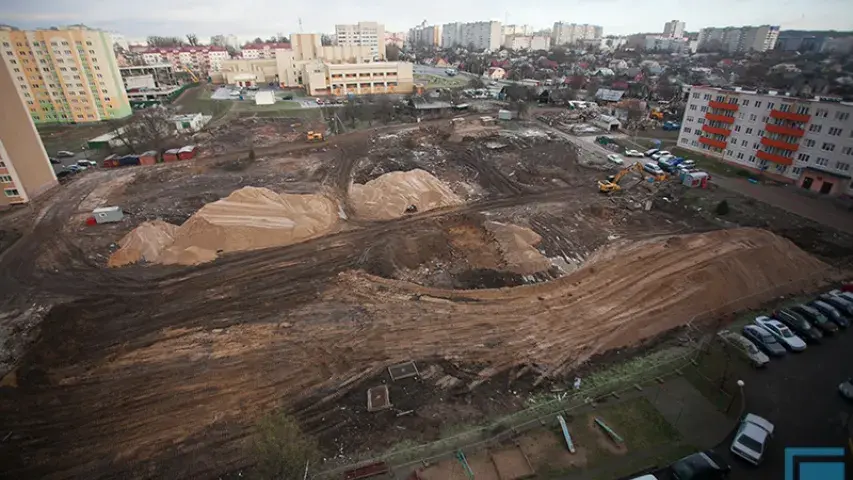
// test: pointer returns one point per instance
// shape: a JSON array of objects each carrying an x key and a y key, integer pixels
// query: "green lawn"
[{"x": 197, "y": 100}]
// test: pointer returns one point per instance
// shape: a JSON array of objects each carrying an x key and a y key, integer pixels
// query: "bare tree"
[
  {"x": 192, "y": 39},
  {"x": 392, "y": 52},
  {"x": 148, "y": 129}
]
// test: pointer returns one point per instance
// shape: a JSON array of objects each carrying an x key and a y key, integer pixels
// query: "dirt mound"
[
  {"x": 389, "y": 195},
  {"x": 518, "y": 248},
  {"x": 145, "y": 242},
  {"x": 187, "y": 256}
]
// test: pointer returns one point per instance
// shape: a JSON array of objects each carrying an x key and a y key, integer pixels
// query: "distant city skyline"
[{"x": 263, "y": 18}]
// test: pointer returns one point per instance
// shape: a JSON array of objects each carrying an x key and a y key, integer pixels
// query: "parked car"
[
  {"x": 843, "y": 294},
  {"x": 845, "y": 388},
  {"x": 751, "y": 438},
  {"x": 633, "y": 153},
  {"x": 744, "y": 347},
  {"x": 764, "y": 341},
  {"x": 707, "y": 465},
  {"x": 816, "y": 318},
  {"x": 660, "y": 153},
  {"x": 782, "y": 333},
  {"x": 652, "y": 167},
  {"x": 63, "y": 173},
  {"x": 614, "y": 158},
  {"x": 842, "y": 304},
  {"x": 650, "y": 152},
  {"x": 87, "y": 163},
  {"x": 831, "y": 313},
  {"x": 64, "y": 154},
  {"x": 54, "y": 161},
  {"x": 798, "y": 325},
  {"x": 74, "y": 168}
]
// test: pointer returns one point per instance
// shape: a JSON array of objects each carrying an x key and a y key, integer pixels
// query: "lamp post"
[{"x": 740, "y": 385}]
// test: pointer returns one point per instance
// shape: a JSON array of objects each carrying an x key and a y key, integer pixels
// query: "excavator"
[{"x": 611, "y": 185}]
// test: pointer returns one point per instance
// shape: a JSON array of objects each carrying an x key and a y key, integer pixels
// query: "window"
[
  {"x": 695, "y": 94},
  {"x": 797, "y": 170},
  {"x": 835, "y": 131},
  {"x": 749, "y": 131},
  {"x": 761, "y": 133},
  {"x": 5, "y": 179},
  {"x": 809, "y": 143},
  {"x": 734, "y": 141},
  {"x": 740, "y": 115},
  {"x": 753, "y": 117},
  {"x": 744, "y": 102},
  {"x": 687, "y": 130},
  {"x": 704, "y": 108},
  {"x": 693, "y": 107},
  {"x": 755, "y": 146},
  {"x": 803, "y": 110},
  {"x": 770, "y": 105},
  {"x": 822, "y": 161},
  {"x": 751, "y": 159},
  {"x": 842, "y": 115},
  {"x": 842, "y": 166},
  {"x": 781, "y": 168},
  {"x": 821, "y": 112},
  {"x": 701, "y": 121},
  {"x": 11, "y": 192},
  {"x": 744, "y": 143},
  {"x": 757, "y": 104},
  {"x": 683, "y": 140},
  {"x": 689, "y": 119},
  {"x": 828, "y": 147},
  {"x": 815, "y": 128},
  {"x": 803, "y": 157},
  {"x": 764, "y": 119},
  {"x": 740, "y": 156},
  {"x": 729, "y": 153},
  {"x": 737, "y": 128}
]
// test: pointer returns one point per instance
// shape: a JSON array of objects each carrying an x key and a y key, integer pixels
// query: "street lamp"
[{"x": 740, "y": 385}]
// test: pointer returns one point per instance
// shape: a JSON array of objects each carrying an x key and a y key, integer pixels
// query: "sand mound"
[
  {"x": 518, "y": 248},
  {"x": 252, "y": 218},
  {"x": 248, "y": 219},
  {"x": 145, "y": 242},
  {"x": 389, "y": 195}
]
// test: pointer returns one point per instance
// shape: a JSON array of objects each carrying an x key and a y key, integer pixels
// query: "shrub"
[
  {"x": 723, "y": 207},
  {"x": 282, "y": 449}
]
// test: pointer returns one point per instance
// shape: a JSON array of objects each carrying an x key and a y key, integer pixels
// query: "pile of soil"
[
  {"x": 248, "y": 219},
  {"x": 389, "y": 195},
  {"x": 518, "y": 248}
]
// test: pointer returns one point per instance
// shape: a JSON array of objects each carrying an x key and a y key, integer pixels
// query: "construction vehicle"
[
  {"x": 611, "y": 185},
  {"x": 656, "y": 114},
  {"x": 313, "y": 136},
  {"x": 188, "y": 70}
]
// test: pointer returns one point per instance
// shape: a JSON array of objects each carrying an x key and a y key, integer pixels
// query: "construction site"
[{"x": 294, "y": 277}]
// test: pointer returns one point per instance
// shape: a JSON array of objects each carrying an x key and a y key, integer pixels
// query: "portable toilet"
[{"x": 107, "y": 214}]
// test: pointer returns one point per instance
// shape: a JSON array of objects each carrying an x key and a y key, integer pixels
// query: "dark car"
[
  {"x": 843, "y": 305},
  {"x": 764, "y": 340},
  {"x": 816, "y": 318},
  {"x": 831, "y": 313},
  {"x": 54, "y": 161},
  {"x": 798, "y": 324},
  {"x": 706, "y": 465}
]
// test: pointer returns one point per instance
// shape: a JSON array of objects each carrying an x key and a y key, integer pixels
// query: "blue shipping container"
[{"x": 128, "y": 160}]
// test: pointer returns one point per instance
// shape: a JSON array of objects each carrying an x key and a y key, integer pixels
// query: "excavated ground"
[{"x": 162, "y": 371}]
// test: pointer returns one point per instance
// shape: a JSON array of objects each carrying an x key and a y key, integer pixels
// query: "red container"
[
  {"x": 148, "y": 158},
  {"x": 91, "y": 221},
  {"x": 188, "y": 152},
  {"x": 170, "y": 155},
  {"x": 110, "y": 162}
]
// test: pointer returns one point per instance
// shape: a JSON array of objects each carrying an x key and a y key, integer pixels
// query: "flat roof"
[
  {"x": 141, "y": 67},
  {"x": 773, "y": 93}
]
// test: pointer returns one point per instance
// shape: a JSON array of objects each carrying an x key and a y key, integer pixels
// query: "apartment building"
[
  {"x": 476, "y": 35},
  {"x": 25, "y": 171},
  {"x": 571, "y": 33},
  {"x": 527, "y": 42},
  {"x": 804, "y": 141},
  {"x": 526, "y": 30},
  {"x": 365, "y": 34},
  {"x": 201, "y": 59},
  {"x": 65, "y": 75},
  {"x": 262, "y": 50},
  {"x": 323, "y": 78},
  {"x": 739, "y": 39},
  {"x": 674, "y": 29}
]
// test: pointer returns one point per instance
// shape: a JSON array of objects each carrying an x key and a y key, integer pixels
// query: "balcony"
[
  {"x": 790, "y": 131},
  {"x": 732, "y": 107},
  {"x": 794, "y": 117},
  {"x": 716, "y": 131},
  {"x": 719, "y": 118},
  {"x": 778, "y": 159},
  {"x": 721, "y": 144},
  {"x": 779, "y": 144}
]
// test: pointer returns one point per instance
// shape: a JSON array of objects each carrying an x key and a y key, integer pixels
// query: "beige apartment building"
[
  {"x": 322, "y": 78},
  {"x": 67, "y": 75},
  {"x": 25, "y": 171},
  {"x": 365, "y": 34}
]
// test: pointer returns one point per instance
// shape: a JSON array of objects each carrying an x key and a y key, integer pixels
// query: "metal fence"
[{"x": 698, "y": 332}]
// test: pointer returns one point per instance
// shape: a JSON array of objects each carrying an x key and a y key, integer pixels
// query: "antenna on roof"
[{"x": 300, "y": 25}]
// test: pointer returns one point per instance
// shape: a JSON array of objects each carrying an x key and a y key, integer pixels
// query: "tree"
[
  {"x": 723, "y": 208},
  {"x": 384, "y": 109},
  {"x": 149, "y": 129},
  {"x": 192, "y": 39},
  {"x": 282, "y": 450},
  {"x": 163, "y": 42},
  {"x": 325, "y": 40},
  {"x": 392, "y": 52},
  {"x": 258, "y": 40},
  {"x": 476, "y": 82}
]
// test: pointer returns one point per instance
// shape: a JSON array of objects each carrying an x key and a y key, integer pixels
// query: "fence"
[{"x": 698, "y": 339}]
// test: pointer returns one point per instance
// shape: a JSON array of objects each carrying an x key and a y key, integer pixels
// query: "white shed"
[
  {"x": 606, "y": 122},
  {"x": 265, "y": 97}
]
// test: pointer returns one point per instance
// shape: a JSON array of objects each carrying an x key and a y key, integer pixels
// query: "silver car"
[{"x": 744, "y": 347}]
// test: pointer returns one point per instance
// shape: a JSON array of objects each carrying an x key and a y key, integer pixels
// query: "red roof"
[
  {"x": 262, "y": 46},
  {"x": 198, "y": 49}
]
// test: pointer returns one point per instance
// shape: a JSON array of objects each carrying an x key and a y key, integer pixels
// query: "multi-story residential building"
[
  {"x": 570, "y": 33},
  {"x": 739, "y": 39},
  {"x": 527, "y": 42},
  {"x": 526, "y": 30},
  {"x": 659, "y": 43},
  {"x": 425, "y": 35},
  {"x": 805, "y": 141},
  {"x": 365, "y": 34},
  {"x": 201, "y": 59},
  {"x": 322, "y": 78},
  {"x": 262, "y": 50},
  {"x": 476, "y": 35},
  {"x": 674, "y": 29},
  {"x": 25, "y": 171},
  {"x": 398, "y": 39},
  {"x": 65, "y": 75}
]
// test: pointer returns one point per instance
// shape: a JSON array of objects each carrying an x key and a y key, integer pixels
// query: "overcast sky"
[{"x": 250, "y": 18}]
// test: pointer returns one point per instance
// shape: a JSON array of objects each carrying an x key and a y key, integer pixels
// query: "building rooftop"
[
  {"x": 199, "y": 48},
  {"x": 774, "y": 93},
  {"x": 262, "y": 46}
]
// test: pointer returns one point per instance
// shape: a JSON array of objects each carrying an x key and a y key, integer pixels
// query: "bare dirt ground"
[{"x": 156, "y": 371}]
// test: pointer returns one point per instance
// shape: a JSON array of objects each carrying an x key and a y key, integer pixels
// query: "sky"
[{"x": 264, "y": 18}]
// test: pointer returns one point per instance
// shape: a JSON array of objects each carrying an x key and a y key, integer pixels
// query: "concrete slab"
[{"x": 695, "y": 418}]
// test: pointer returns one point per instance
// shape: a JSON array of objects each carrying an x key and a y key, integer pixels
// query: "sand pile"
[
  {"x": 518, "y": 248},
  {"x": 389, "y": 195},
  {"x": 145, "y": 242},
  {"x": 249, "y": 218}
]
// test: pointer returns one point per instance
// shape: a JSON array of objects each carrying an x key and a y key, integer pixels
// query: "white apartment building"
[
  {"x": 739, "y": 39},
  {"x": 674, "y": 29},
  {"x": 425, "y": 35},
  {"x": 365, "y": 34},
  {"x": 525, "y": 30},
  {"x": 527, "y": 42},
  {"x": 804, "y": 141},
  {"x": 480, "y": 35},
  {"x": 200, "y": 59},
  {"x": 262, "y": 50},
  {"x": 570, "y": 33}
]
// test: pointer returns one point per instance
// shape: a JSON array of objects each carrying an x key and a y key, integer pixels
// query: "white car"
[
  {"x": 652, "y": 167},
  {"x": 782, "y": 333},
  {"x": 751, "y": 438},
  {"x": 651, "y": 152},
  {"x": 633, "y": 153},
  {"x": 744, "y": 347},
  {"x": 64, "y": 154},
  {"x": 614, "y": 158},
  {"x": 661, "y": 153}
]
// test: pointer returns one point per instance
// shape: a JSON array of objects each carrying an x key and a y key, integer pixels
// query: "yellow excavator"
[{"x": 612, "y": 183}]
